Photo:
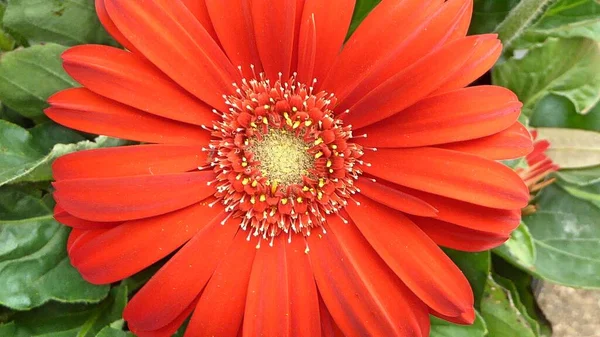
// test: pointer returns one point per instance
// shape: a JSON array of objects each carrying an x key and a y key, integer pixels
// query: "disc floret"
[{"x": 282, "y": 158}]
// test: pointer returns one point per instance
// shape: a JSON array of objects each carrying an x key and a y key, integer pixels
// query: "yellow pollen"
[
  {"x": 299, "y": 200},
  {"x": 262, "y": 198},
  {"x": 267, "y": 107},
  {"x": 282, "y": 157},
  {"x": 319, "y": 155},
  {"x": 284, "y": 201},
  {"x": 254, "y": 183},
  {"x": 329, "y": 163},
  {"x": 245, "y": 181},
  {"x": 318, "y": 141}
]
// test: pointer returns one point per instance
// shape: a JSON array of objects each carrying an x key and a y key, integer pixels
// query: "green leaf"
[
  {"x": 566, "y": 233},
  {"x": 28, "y": 76},
  {"x": 6, "y": 41},
  {"x": 12, "y": 116},
  {"x": 563, "y": 67},
  {"x": 476, "y": 267},
  {"x": 568, "y": 18},
  {"x": 519, "y": 249},
  {"x": 589, "y": 193},
  {"x": 555, "y": 111},
  {"x": 580, "y": 177},
  {"x": 34, "y": 267},
  {"x": 361, "y": 10},
  {"x": 488, "y": 14},
  {"x": 111, "y": 332},
  {"x": 571, "y": 148},
  {"x": 57, "y": 319},
  {"x": 67, "y": 22},
  {"x": 441, "y": 328},
  {"x": 27, "y": 155},
  {"x": 501, "y": 314}
]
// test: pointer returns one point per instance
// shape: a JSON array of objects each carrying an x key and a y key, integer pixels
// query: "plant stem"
[{"x": 521, "y": 17}]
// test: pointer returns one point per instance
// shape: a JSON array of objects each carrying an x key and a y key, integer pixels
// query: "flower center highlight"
[{"x": 283, "y": 159}]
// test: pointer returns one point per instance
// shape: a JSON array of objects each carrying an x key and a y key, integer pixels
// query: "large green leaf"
[
  {"x": 572, "y": 148},
  {"x": 563, "y": 67},
  {"x": 57, "y": 319},
  {"x": 441, "y": 328},
  {"x": 26, "y": 155},
  {"x": 34, "y": 267},
  {"x": 501, "y": 313},
  {"x": 566, "y": 233},
  {"x": 112, "y": 332},
  {"x": 28, "y": 76},
  {"x": 581, "y": 177},
  {"x": 488, "y": 14},
  {"x": 568, "y": 18},
  {"x": 555, "y": 111},
  {"x": 519, "y": 249},
  {"x": 6, "y": 41},
  {"x": 67, "y": 22}
]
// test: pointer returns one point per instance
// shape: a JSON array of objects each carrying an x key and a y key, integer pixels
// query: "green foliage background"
[{"x": 551, "y": 60}]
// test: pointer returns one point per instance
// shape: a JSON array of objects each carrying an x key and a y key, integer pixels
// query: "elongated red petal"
[
  {"x": 80, "y": 237},
  {"x": 67, "y": 219},
  {"x": 110, "y": 27},
  {"x": 394, "y": 198},
  {"x": 464, "y": 114},
  {"x": 431, "y": 29},
  {"x": 480, "y": 218},
  {"x": 167, "y": 33},
  {"x": 512, "y": 143},
  {"x": 86, "y": 111},
  {"x": 200, "y": 11},
  {"x": 483, "y": 59},
  {"x": 328, "y": 326},
  {"x": 331, "y": 20},
  {"x": 419, "y": 263},
  {"x": 170, "y": 329},
  {"x": 171, "y": 290},
  {"x": 129, "y": 161},
  {"x": 132, "y": 80},
  {"x": 374, "y": 44},
  {"x": 220, "y": 310},
  {"x": 457, "y": 237},
  {"x": 233, "y": 23},
  {"x": 129, "y": 198},
  {"x": 363, "y": 295},
  {"x": 282, "y": 292},
  {"x": 127, "y": 249},
  {"x": 274, "y": 28},
  {"x": 452, "y": 174},
  {"x": 411, "y": 85}
]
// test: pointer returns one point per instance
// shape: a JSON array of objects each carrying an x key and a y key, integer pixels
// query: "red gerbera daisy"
[{"x": 304, "y": 182}]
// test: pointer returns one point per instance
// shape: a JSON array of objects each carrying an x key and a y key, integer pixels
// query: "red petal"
[
  {"x": 169, "y": 329},
  {"x": 282, "y": 292},
  {"x": 499, "y": 221},
  {"x": 80, "y": 237},
  {"x": 466, "y": 318},
  {"x": 377, "y": 42},
  {"x": 394, "y": 198},
  {"x": 512, "y": 143},
  {"x": 411, "y": 254},
  {"x": 76, "y": 223},
  {"x": 127, "y": 249},
  {"x": 425, "y": 32},
  {"x": 200, "y": 11},
  {"x": 129, "y": 198},
  {"x": 83, "y": 110},
  {"x": 110, "y": 27},
  {"x": 331, "y": 20},
  {"x": 233, "y": 23},
  {"x": 328, "y": 326},
  {"x": 413, "y": 84},
  {"x": 129, "y": 161},
  {"x": 171, "y": 290},
  {"x": 274, "y": 28},
  {"x": 362, "y": 294},
  {"x": 457, "y": 237},
  {"x": 130, "y": 79},
  {"x": 172, "y": 38},
  {"x": 455, "y": 116},
  {"x": 483, "y": 59},
  {"x": 220, "y": 310},
  {"x": 451, "y": 174}
]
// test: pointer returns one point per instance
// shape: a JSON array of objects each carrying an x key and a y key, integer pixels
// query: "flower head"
[{"x": 299, "y": 182}]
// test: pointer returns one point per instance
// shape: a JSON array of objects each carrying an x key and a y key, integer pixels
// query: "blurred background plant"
[{"x": 551, "y": 61}]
